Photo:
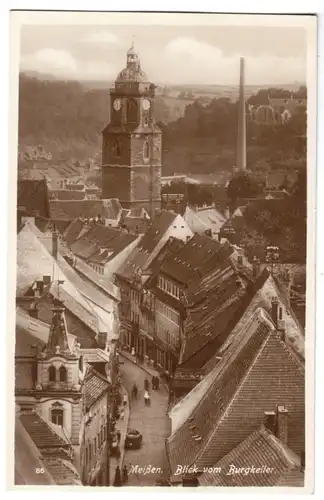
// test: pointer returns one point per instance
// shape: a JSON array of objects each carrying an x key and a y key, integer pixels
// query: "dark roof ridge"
[
  {"x": 91, "y": 371},
  {"x": 234, "y": 349},
  {"x": 273, "y": 332}
]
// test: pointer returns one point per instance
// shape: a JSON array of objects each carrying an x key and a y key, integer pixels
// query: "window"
[
  {"x": 52, "y": 374},
  {"x": 131, "y": 111},
  {"x": 63, "y": 374},
  {"x": 57, "y": 416},
  {"x": 117, "y": 148},
  {"x": 146, "y": 150}
]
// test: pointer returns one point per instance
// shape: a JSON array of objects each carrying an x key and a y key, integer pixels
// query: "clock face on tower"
[
  {"x": 146, "y": 104},
  {"x": 117, "y": 104}
]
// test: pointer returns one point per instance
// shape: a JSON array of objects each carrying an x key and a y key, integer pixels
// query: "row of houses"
[
  {"x": 66, "y": 366},
  {"x": 223, "y": 333}
]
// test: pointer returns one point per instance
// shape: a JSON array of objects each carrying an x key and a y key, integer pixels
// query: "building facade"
[{"x": 132, "y": 142}]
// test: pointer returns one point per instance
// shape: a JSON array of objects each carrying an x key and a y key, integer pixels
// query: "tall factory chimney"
[{"x": 241, "y": 130}]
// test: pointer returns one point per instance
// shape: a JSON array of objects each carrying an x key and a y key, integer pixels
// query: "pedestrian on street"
[
  {"x": 134, "y": 391},
  {"x": 153, "y": 383},
  {"x": 125, "y": 474},
  {"x": 146, "y": 398},
  {"x": 125, "y": 399},
  {"x": 157, "y": 383},
  {"x": 118, "y": 436},
  {"x": 117, "y": 480},
  {"x": 146, "y": 385}
]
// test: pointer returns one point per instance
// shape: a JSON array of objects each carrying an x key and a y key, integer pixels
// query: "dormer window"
[
  {"x": 57, "y": 414},
  {"x": 52, "y": 374},
  {"x": 63, "y": 374}
]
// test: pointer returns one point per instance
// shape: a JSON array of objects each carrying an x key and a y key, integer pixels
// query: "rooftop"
[
  {"x": 234, "y": 398},
  {"x": 259, "y": 449},
  {"x": 72, "y": 209}
]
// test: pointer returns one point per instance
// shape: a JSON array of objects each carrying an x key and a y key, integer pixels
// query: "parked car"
[{"x": 133, "y": 439}]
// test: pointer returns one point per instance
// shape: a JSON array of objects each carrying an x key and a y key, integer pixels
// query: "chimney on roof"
[
  {"x": 241, "y": 130},
  {"x": 33, "y": 311},
  {"x": 282, "y": 424},
  {"x": 274, "y": 310},
  {"x": 46, "y": 280},
  {"x": 270, "y": 419},
  {"x": 40, "y": 287}
]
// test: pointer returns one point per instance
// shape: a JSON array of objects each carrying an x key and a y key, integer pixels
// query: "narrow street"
[{"x": 152, "y": 422}]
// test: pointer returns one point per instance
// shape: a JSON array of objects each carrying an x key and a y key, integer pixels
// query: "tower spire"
[{"x": 241, "y": 130}]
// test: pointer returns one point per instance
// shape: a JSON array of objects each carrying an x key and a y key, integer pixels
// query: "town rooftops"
[
  {"x": 28, "y": 459},
  {"x": 265, "y": 452},
  {"x": 194, "y": 258},
  {"x": 257, "y": 373},
  {"x": 201, "y": 219},
  {"x": 54, "y": 450},
  {"x": 34, "y": 263},
  {"x": 72, "y": 209},
  {"x": 42, "y": 432},
  {"x": 140, "y": 257},
  {"x": 101, "y": 244},
  {"x": 95, "y": 386},
  {"x": 67, "y": 194}
]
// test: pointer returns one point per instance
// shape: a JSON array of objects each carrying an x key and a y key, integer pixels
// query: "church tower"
[
  {"x": 60, "y": 374},
  {"x": 132, "y": 142}
]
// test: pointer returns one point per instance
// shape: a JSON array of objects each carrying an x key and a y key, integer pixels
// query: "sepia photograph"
[{"x": 163, "y": 178}]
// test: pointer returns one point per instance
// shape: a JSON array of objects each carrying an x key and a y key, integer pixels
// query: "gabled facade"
[
  {"x": 54, "y": 381},
  {"x": 139, "y": 307}
]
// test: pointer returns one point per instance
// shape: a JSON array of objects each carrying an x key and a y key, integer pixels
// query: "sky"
[{"x": 168, "y": 54}]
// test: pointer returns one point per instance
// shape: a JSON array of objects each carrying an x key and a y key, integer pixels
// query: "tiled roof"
[
  {"x": 141, "y": 254},
  {"x": 32, "y": 198},
  {"x": 30, "y": 174},
  {"x": 258, "y": 372},
  {"x": 203, "y": 219},
  {"x": 198, "y": 256},
  {"x": 34, "y": 262},
  {"x": 95, "y": 386},
  {"x": 84, "y": 286},
  {"x": 73, "y": 230},
  {"x": 260, "y": 449},
  {"x": 66, "y": 194},
  {"x": 28, "y": 459},
  {"x": 41, "y": 432},
  {"x": 159, "y": 227},
  {"x": 72, "y": 209},
  {"x": 219, "y": 178},
  {"x": 62, "y": 471},
  {"x": 136, "y": 225},
  {"x": 101, "y": 244}
]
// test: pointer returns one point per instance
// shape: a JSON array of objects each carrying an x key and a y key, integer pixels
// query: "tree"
[{"x": 243, "y": 185}]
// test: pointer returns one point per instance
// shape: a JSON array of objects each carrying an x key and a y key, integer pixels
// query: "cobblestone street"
[{"x": 151, "y": 422}]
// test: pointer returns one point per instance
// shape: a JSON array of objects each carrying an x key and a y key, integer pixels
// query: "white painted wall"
[
  {"x": 115, "y": 263},
  {"x": 45, "y": 412}
]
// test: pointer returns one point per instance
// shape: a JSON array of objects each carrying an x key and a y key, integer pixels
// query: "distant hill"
[{"x": 67, "y": 119}]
